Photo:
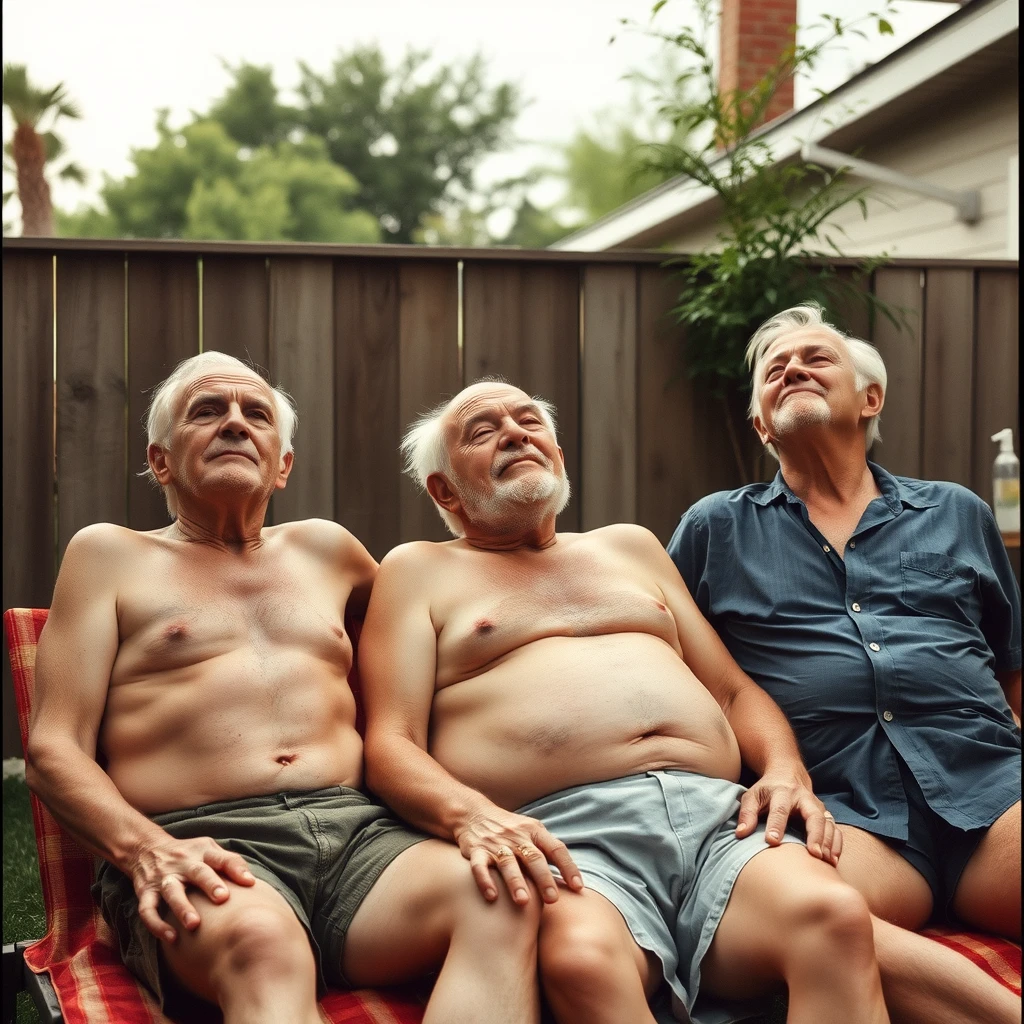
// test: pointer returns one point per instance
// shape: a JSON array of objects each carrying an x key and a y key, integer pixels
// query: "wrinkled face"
[
  {"x": 506, "y": 465},
  {"x": 806, "y": 379},
  {"x": 225, "y": 436}
]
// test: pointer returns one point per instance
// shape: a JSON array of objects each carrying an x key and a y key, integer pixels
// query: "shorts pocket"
[{"x": 940, "y": 586}]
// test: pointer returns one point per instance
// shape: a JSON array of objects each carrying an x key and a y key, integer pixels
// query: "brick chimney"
[{"x": 752, "y": 36}]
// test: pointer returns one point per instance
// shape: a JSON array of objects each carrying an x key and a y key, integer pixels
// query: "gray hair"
[
  {"x": 424, "y": 450},
  {"x": 868, "y": 367},
  {"x": 160, "y": 414}
]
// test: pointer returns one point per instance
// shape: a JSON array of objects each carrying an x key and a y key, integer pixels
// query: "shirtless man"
[
  {"x": 207, "y": 663},
  {"x": 570, "y": 676}
]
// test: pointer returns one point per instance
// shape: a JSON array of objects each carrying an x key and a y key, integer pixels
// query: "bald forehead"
[
  {"x": 217, "y": 380},
  {"x": 482, "y": 399}
]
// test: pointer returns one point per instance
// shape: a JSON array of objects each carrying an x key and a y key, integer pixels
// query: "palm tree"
[{"x": 31, "y": 149}]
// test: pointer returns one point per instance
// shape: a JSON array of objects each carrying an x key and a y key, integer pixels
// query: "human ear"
[
  {"x": 441, "y": 491},
  {"x": 156, "y": 456},
  {"x": 287, "y": 461}
]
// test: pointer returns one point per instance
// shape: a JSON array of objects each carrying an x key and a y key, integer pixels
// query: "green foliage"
[
  {"x": 777, "y": 218},
  {"x": 368, "y": 152}
]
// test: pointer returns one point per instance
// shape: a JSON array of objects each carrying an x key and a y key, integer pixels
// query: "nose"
[
  {"x": 515, "y": 434},
  {"x": 234, "y": 423},
  {"x": 795, "y": 371}
]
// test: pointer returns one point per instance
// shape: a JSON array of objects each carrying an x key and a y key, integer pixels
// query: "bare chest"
[{"x": 501, "y": 614}]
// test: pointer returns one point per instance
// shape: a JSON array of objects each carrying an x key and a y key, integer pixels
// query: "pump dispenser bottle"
[{"x": 1006, "y": 484}]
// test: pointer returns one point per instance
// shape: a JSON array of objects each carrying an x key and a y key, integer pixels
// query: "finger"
[
  {"x": 749, "y": 813},
  {"x": 837, "y": 844},
  {"x": 827, "y": 832},
  {"x": 231, "y": 865},
  {"x": 480, "y": 865},
  {"x": 558, "y": 854},
  {"x": 506, "y": 862},
  {"x": 203, "y": 877},
  {"x": 778, "y": 815},
  {"x": 816, "y": 828},
  {"x": 537, "y": 868},
  {"x": 174, "y": 896},
  {"x": 149, "y": 903}
]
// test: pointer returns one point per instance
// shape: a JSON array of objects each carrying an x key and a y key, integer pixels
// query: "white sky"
[{"x": 123, "y": 59}]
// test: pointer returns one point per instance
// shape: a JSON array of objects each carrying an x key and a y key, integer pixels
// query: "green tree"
[{"x": 32, "y": 148}]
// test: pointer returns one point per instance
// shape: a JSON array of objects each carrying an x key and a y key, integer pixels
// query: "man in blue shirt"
[{"x": 882, "y": 615}]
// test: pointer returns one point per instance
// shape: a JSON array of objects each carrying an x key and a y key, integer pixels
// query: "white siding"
[{"x": 964, "y": 145}]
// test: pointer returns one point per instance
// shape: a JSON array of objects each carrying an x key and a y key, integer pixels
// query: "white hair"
[
  {"x": 160, "y": 414},
  {"x": 425, "y": 451},
  {"x": 868, "y": 367}
]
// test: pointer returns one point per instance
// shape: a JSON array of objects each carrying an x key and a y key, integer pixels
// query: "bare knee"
[
  {"x": 828, "y": 922},
  {"x": 261, "y": 944},
  {"x": 575, "y": 955},
  {"x": 503, "y": 924}
]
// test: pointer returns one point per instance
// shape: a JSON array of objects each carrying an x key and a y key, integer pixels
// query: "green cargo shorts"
[{"x": 322, "y": 850}]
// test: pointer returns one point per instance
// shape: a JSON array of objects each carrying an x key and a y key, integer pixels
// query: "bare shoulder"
[
  {"x": 100, "y": 542},
  {"x": 322, "y": 537},
  {"x": 415, "y": 555},
  {"x": 627, "y": 537}
]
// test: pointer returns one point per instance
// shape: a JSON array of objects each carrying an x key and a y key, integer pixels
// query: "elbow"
[{"x": 375, "y": 759}]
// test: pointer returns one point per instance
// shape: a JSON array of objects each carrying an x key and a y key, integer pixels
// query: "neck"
[
  {"x": 238, "y": 529},
  {"x": 824, "y": 467},
  {"x": 536, "y": 537}
]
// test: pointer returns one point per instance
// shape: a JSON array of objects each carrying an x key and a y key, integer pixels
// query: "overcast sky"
[{"x": 123, "y": 59}]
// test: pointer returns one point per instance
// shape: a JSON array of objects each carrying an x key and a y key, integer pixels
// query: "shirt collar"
[{"x": 895, "y": 493}]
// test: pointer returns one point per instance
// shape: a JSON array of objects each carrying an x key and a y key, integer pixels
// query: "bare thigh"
[
  {"x": 894, "y": 889},
  {"x": 988, "y": 896},
  {"x": 258, "y": 911}
]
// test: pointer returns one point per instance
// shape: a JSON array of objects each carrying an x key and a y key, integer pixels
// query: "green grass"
[{"x": 23, "y": 899}]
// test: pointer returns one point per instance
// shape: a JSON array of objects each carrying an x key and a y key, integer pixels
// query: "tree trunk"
[{"x": 29, "y": 154}]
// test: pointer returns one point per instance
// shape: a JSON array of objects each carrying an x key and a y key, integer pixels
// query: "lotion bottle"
[{"x": 1006, "y": 484}]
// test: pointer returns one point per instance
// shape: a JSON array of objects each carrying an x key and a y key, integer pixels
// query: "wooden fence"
[{"x": 366, "y": 337}]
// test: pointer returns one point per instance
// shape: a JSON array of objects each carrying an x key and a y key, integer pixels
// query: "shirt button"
[
  {"x": 826, "y": 548},
  {"x": 853, "y": 543},
  {"x": 887, "y": 715},
  {"x": 874, "y": 647},
  {"x": 855, "y": 606}
]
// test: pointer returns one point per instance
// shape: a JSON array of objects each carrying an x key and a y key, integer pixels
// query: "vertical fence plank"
[
  {"x": 900, "y": 347},
  {"x": 91, "y": 393},
  {"x": 366, "y": 353},
  {"x": 236, "y": 307},
  {"x": 683, "y": 444},
  {"x": 28, "y": 449},
  {"x": 608, "y": 480},
  {"x": 850, "y": 308},
  {"x": 163, "y": 329},
  {"x": 522, "y": 323},
  {"x": 948, "y": 375},
  {"x": 996, "y": 371},
  {"x": 428, "y": 370},
  {"x": 302, "y": 360}
]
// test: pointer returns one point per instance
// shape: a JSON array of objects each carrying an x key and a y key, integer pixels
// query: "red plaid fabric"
[
  {"x": 79, "y": 951},
  {"x": 92, "y": 985}
]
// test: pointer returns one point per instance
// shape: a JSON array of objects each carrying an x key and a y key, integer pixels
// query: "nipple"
[{"x": 484, "y": 626}]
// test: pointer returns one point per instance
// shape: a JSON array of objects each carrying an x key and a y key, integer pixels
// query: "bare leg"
[
  {"x": 988, "y": 896},
  {"x": 924, "y": 982},
  {"x": 590, "y": 967},
  {"x": 791, "y": 918},
  {"x": 426, "y": 911},
  {"x": 250, "y": 956}
]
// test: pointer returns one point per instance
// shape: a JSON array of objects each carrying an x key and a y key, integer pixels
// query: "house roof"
[{"x": 952, "y": 56}]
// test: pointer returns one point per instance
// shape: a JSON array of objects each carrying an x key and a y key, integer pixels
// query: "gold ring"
[
  {"x": 524, "y": 851},
  {"x": 828, "y": 817},
  {"x": 503, "y": 853}
]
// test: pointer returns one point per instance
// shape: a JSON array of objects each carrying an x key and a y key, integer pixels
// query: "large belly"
[
  {"x": 231, "y": 727},
  {"x": 563, "y": 711}
]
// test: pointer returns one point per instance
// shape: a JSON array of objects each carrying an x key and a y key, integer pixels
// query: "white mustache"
[{"x": 505, "y": 459}]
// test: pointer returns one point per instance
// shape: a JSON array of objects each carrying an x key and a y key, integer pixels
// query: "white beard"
[
  {"x": 799, "y": 412},
  {"x": 516, "y": 504}
]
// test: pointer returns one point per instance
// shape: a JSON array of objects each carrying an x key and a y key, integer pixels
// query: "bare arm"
[
  {"x": 397, "y": 667},
  {"x": 1010, "y": 682},
  {"x": 765, "y": 739},
  {"x": 76, "y": 652}
]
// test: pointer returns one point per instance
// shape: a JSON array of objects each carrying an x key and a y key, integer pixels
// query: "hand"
[
  {"x": 505, "y": 839},
  {"x": 162, "y": 871},
  {"x": 780, "y": 793}
]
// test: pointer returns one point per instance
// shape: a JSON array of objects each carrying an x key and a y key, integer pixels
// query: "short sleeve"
[
  {"x": 688, "y": 548},
  {"x": 1000, "y": 617}
]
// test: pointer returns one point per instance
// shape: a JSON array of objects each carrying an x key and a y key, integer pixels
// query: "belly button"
[{"x": 286, "y": 759}]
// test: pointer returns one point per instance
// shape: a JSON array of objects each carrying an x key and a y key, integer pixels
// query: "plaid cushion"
[
  {"x": 81, "y": 955},
  {"x": 79, "y": 951}
]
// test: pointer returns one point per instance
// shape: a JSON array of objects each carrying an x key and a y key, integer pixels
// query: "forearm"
[
  {"x": 88, "y": 805},
  {"x": 765, "y": 738},
  {"x": 418, "y": 789}
]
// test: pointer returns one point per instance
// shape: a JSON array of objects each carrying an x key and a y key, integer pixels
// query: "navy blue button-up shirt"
[{"x": 889, "y": 653}]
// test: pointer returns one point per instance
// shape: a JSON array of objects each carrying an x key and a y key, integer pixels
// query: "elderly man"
[
  {"x": 882, "y": 615},
  {"x": 206, "y": 663},
  {"x": 523, "y": 684}
]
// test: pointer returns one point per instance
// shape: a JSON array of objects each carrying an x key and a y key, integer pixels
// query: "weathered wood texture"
[{"x": 368, "y": 339}]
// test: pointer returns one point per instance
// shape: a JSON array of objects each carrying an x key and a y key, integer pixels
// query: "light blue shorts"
[{"x": 661, "y": 848}]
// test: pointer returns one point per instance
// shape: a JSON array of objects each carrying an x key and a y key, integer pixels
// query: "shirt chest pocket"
[{"x": 941, "y": 587}]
